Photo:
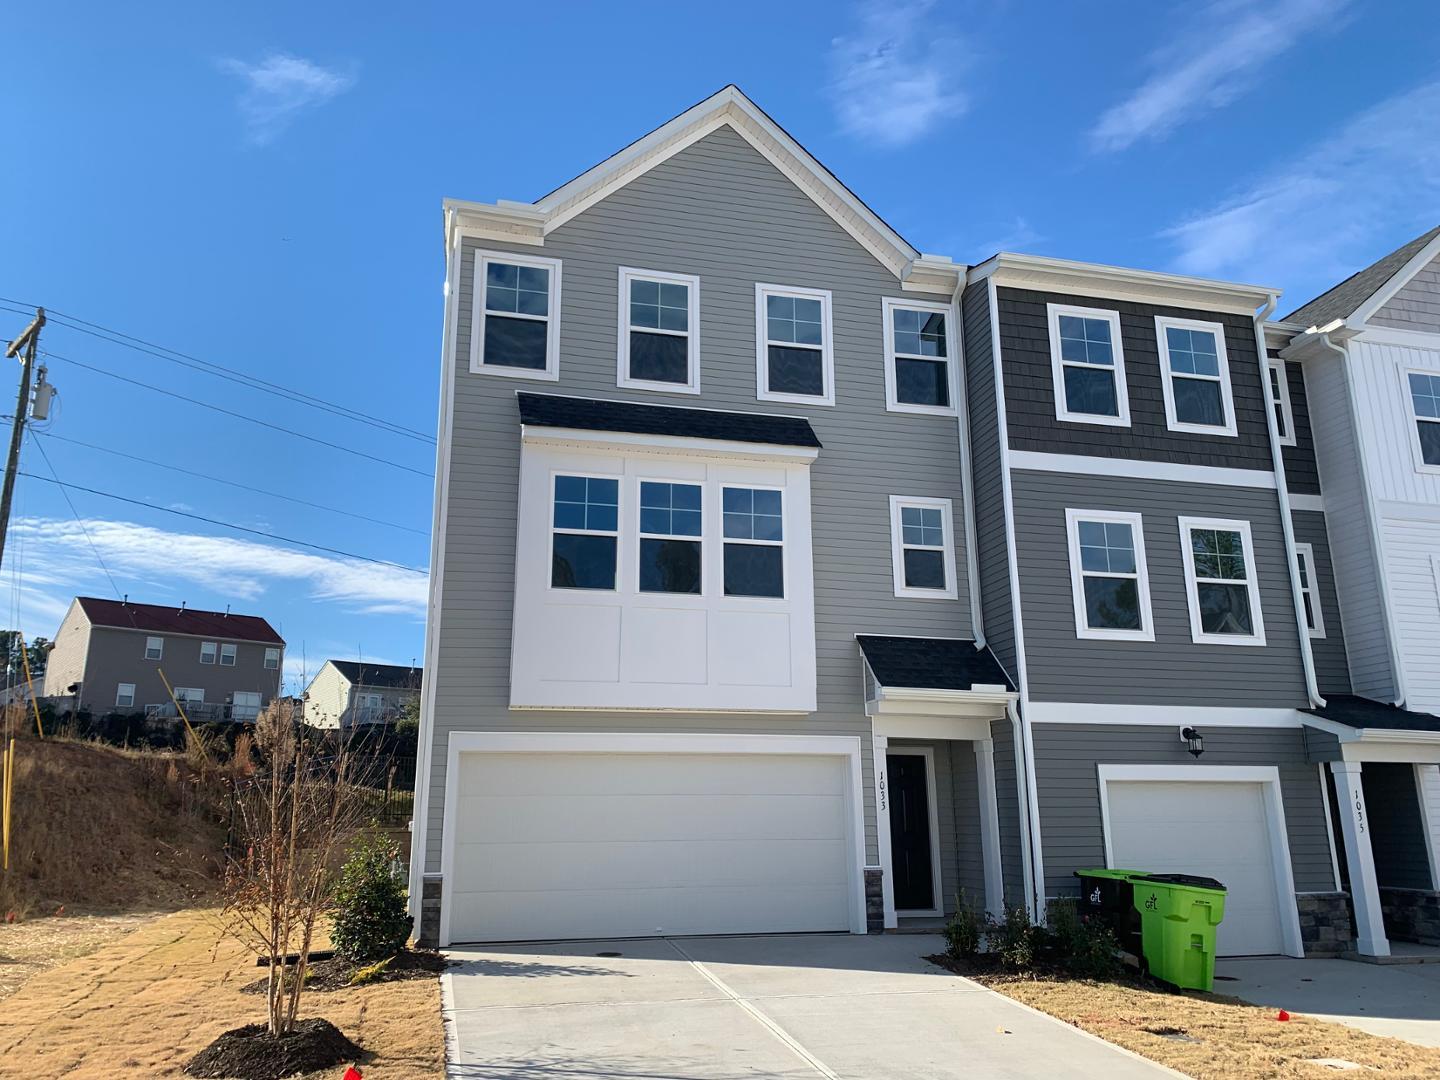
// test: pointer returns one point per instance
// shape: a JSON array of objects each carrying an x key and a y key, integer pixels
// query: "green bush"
[
  {"x": 370, "y": 920},
  {"x": 1016, "y": 942},
  {"x": 964, "y": 932},
  {"x": 1083, "y": 946}
]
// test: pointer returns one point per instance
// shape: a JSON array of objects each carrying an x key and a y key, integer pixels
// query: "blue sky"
[{"x": 258, "y": 186}]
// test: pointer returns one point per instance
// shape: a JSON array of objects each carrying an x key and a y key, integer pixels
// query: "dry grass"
[
  {"x": 1224, "y": 1039},
  {"x": 141, "y": 1007},
  {"x": 35, "y": 945}
]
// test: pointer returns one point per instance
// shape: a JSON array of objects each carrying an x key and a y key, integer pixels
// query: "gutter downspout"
[{"x": 1282, "y": 491}]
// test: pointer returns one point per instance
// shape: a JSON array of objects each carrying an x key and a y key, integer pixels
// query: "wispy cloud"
[
  {"x": 1315, "y": 219},
  {"x": 895, "y": 78},
  {"x": 1217, "y": 59},
  {"x": 279, "y": 87},
  {"x": 1017, "y": 235}
]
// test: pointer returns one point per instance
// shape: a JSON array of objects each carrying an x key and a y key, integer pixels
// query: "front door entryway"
[{"x": 911, "y": 840}]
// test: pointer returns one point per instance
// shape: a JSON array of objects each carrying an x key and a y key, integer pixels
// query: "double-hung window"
[
  {"x": 154, "y": 648},
  {"x": 515, "y": 324},
  {"x": 125, "y": 695},
  {"x": 922, "y": 542},
  {"x": 794, "y": 356},
  {"x": 207, "y": 652},
  {"x": 585, "y": 532},
  {"x": 1309, "y": 589},
  {"x": 1220, "y": 585},
  {"x": 1088, "y": 365},
  {"x": 919, "y": 375},
  {"x": 1195, "y": 376},
  {"x": 1108, "y": 581},
  {"x": 754, "y": 529},
  {"x": 659, "y": 331},
  {"x": 227, "y": 655},
  {"x": 1424, "y": 390},
  {"x": 272, "y": 659},
  {"x": 1278, "y": 387},
  {"x": 670, "y": 531}
]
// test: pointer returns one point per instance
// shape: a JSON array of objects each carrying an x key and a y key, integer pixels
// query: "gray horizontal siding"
[
  {"x": 1030, "y": 387},
  {"x": 1066, "y": 756},
  {"x": 1173, "y": 669},
  {"x": 1397, "y": 839},
  {"x": 1417, "y": 305},
  {"x": 1007, "y": 801},
  {"x": 1332, "y": 669},
  {"x": 1302, "y": 474},
  {"x": 969, "y": 854}
]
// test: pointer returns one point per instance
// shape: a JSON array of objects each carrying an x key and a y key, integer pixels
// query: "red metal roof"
[{"x": 165, "y": 619}]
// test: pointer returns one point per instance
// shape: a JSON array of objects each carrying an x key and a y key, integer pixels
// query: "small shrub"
[
  {"x": 1016, "y": 942},
  {"x": 963, "y": 933},
  {"x": 370, "y": 972},
  {"x": 370, "y": 921},
  {"x": 1084, "y": 946}
]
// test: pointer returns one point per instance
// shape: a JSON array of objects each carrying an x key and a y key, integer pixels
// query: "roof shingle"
[
  {"x": 931, "y": 663},
  {"x": 164, "y": 619},
  {"x": 589, "y": 414},
  {"x": 1359, "y": 712},
  {"x": 1341, "y": 301}
]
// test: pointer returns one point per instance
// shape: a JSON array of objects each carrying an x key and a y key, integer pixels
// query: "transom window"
[
  {"x": 1196, "y": 378},
  {"x": 227, "y": 655},
  {"x": 918, "y": 375},
  {"x": 516, "y": 325},
  {"x": 125, "y": 695},
  {"x": 208, "y": 651},
  {"x": 154, "y": 648},
  {"x": 1278, "y": 387},
  {"x": 1109, "y": 584},
  {"x": 1220, "y": 582},
  {"x": 754, "y": 531},
  {"x": 670, "y": 531},
  {"x": 1309, "y": 591},
  {"x": 1425, "y": 399},
  {"x": 658, "y": 331},
  {"x": 922, "y": 548},
  {"x": 794, "y": 358},
  {"x": 585, "y": 530},
  {"x": 1088, "y": 364}
]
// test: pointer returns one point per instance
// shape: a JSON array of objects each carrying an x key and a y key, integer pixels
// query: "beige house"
[{"x": 347, "y": 694}]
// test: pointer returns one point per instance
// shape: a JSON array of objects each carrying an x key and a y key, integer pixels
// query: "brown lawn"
[
  {"x": 142, "y": 1006},
  {"x": 35, "y": 945}
]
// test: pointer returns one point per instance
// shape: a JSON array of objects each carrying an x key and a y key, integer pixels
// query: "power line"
[
  {"x": 226, "y": 525},
  {"x": 236, "y": 415},
  {"x": 231, "y": 483},
  {"x": 55, "y": 478}
]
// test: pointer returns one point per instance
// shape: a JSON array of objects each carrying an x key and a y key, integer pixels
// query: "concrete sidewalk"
[{"x": 867, "y": 1008}]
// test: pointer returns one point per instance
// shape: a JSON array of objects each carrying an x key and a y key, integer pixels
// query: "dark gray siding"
[
  {"x": 1321, "y": 746},
  {"x": 1171, "y": 670},
  {"x": 1030, "y": 388},
  {"x": 969, "y": 857},
  {"x": 1066, "y": 756},
  {"x": 1007, "y": 801},
  {"x": 1302, "y": 474},
  {"x": 1397, "y": 838},
  {"x": 1332, "y": 669}
]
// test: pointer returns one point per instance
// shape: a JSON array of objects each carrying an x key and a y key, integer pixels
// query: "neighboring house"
[
  {"x": 347, "y": 694},
  {"x": 110, "y": 656}
]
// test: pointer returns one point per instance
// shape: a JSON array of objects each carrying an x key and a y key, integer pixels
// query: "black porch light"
[{"x": 1193, "y": 740}]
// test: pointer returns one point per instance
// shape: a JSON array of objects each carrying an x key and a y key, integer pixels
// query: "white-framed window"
[
  {"x": 1309, "y": 589},
  {"x": 154, "y": 648},
  {"x": 922, "y": 548},
  {"x": 515, "y": 316},
  {"x": 919, "y": 357},
  {"x": 272, "y": 659},
  {"x": 659, "y": 331},
  {"x": 794, "y": 354},
  {"x": 585, "y": 532},
  {"x": 125, "y": 695},
  {"x": 227, "y": 655},
  {"x": 753, "y": 522},
  {"x": 190, "y": 695},
  {"x": 670, "y": 548},
  {"x": 1108, "y": 578},
  {"x": 1277, "y": 386},
  {"x": 208, "y": 651},
  {"x": 1220, "y": 582},
  {"x": 1195, "y": 376},
  {"x": 1423, "y": 388},
  {"x": 245, "y": 705},
  {"x": 1087, "y": 361}
]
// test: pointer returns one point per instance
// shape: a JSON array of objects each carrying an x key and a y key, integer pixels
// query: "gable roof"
[
  {"x": 1345, "y": 299},
  {"x": 588, "y": 414},
  {"x": 531, "y": 222},
  {"x": 164, "y": 619},
  {"x": 395, "y": 676},
  {"x": 916, "y": 663}
]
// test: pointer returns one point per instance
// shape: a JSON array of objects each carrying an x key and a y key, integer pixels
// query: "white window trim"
[
  {"x": 234, "y": 654},
  {"x": 783, "y": 543},
  {"x": 1077, "y": 576},
  {"x": 1058, "y": 364},
  {"x": 1286, "y": 411},
  {"x": 1227, "y": 400},
  {"x": 622, "y": 363},
  {"x": 1415, "y": 419},
  {"x": 272, "y": 654},
  {"x": 551, "y": 371},
  {"x": 120, "y": 693},
  {"x": 159, "y": 652},
  {"x": 897, "y": 548},
  {"x": 552, "y": 530},
  {"x": 1307, "y": 552},
  {"x": 1252, "y": 582},
  {"x": 762, "y": 345},
  {"x": 213, "y": 650},
  {"x": 641, "y": 534},
  {"x": 889, "y": 304},
  {"x": 183, "y": 694}
]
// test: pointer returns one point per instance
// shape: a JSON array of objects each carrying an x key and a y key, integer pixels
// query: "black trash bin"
[{"x": 1110, "y": 896}]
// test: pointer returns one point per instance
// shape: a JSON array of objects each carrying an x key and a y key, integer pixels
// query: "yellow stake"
[
  {"x": 181, "y": 710},
  {"x": 9, "y": 789},
  {"x": 25, "y": 659}
]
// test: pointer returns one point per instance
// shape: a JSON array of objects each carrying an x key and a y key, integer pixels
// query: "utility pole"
[{"x": 29, "y": 343}]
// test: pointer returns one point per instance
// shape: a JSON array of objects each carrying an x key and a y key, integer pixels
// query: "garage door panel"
[{"x": 703, "y": 774}]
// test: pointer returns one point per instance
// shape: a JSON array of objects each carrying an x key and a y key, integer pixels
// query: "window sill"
[
  {"x": 1227, "y": 639},
  {"x": 1088, "y": 418},
  {"x": 796, "y": 399},
  {"x": 1086, "y": 633},
  {"x": 923, "y": 410},
  {"x": 658, "y": 387},
  {"x": 537, "y": 374},
  {"x": 1202, "y": 429}
]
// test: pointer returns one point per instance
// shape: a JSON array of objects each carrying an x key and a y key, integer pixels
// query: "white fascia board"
[
  {"x": 1383, "y": 295},
  {"x": 666, "y": 445},
  {"x": 1009, "y": 270}
]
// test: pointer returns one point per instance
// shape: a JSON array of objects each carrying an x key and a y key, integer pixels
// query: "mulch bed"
[
  {"x": 986, "y": 968},
  {"x": 335, "y": 974},
  {"x": 252, "y": 1053}
]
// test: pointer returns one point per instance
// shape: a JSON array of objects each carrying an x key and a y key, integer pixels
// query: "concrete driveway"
[
  {"x": 1399, "y": 1000},
  {"x": 795, "y": 1007}
]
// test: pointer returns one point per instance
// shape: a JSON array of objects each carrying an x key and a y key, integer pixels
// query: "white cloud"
[
  {"x": 1216, "y": 58},
  {"x": 1317, "y": 218},
  {"x": 279, "y": 87},
  {"x": 895, "y": 76},
  {"x": 1017, "y": 235}
]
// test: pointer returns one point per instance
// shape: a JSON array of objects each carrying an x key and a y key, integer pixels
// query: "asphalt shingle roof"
[
  {"x": 167, "y": 619},
  {"x": 1359, "y": 712},
  {"x": 931, "y": 663},
  {"x": 1341, "y": 301},
  {"x": 393, "y": 675},
  {"x": 589, "y": 414}
]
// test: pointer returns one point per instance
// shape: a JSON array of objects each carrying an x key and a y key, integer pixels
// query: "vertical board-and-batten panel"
[
  {"x": 1416, "y": 306},
  {"x": 1382, "y": 396},
  {"x": 718, "y": 210},
  {"x": 1412, "y": 559}
]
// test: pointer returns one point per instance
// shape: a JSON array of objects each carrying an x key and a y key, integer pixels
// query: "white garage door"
[
  {"x": 1216, "y": 830},
  {"x": 591, "y": 845}
]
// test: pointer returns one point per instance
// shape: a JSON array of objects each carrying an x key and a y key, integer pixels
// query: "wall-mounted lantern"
[{"x": 1193, "y": 740}]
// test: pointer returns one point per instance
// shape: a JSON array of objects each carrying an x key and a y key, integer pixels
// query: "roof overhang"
[
  {"x": 1316, "y": 341},
  {"x": 899, "y": 712}
]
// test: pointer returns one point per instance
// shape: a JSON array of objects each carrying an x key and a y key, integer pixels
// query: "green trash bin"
[{"x": 1178, "y": 917}]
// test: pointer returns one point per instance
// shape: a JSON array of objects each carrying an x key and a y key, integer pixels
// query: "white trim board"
[
  {"x": 1133, "y": 469},
  {"x": 1082, "y": 712},
  {"x": 932, "y": 798},
  {"x": 1310, "y": 504},
  {"x": 1268, "y": 776}
]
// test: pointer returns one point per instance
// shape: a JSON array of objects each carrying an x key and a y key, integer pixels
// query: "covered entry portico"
[{"x": 931, "y": 703}]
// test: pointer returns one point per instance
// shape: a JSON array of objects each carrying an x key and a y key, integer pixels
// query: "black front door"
[{"x": 910, "y": 833}]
